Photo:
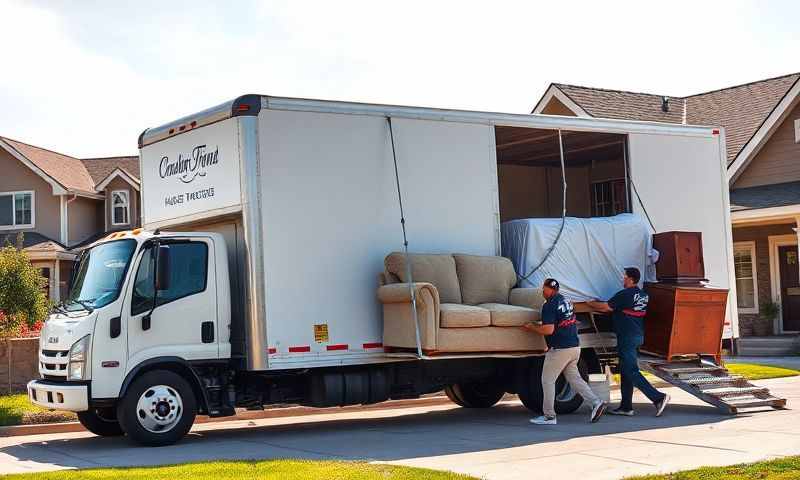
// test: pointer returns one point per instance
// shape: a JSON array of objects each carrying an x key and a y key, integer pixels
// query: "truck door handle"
[
  {"x": 146, "y": 322},
  {"x": 207, "y": 332},
  {"x": 115, "y": 327}
]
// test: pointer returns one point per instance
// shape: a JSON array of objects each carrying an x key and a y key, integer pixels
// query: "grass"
[
  {"x": 753, "y": 371},
  {"x": 263, "y": 470},
  {"x": 782, "y": 469},
  {"x": 16, "y": 409}
]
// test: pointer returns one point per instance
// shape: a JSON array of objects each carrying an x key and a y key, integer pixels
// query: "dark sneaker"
[
  {"x": 661, "y": 405},
  {"x": 622, "y": 411},
  {"x": 597, "y": 411}
]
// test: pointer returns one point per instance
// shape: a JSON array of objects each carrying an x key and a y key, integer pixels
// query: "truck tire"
[
  {"x": 531, "y": 395},
  {"x": 158, "y": 409},
  {"x": 480, "y": 394},
  {"x": 101, "y": 421}
]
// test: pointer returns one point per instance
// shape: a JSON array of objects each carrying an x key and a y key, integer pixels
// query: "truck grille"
[{"x": 53, "y": 363}]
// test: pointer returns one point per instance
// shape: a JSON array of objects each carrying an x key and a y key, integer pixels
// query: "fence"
[{"x": 18, "y": 363}]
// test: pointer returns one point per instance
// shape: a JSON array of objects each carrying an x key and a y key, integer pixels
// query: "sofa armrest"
[
  {"x": 527, "y": 297},
  {"x": 400, "y": 293},
  {"x": 398, "y": 318}
]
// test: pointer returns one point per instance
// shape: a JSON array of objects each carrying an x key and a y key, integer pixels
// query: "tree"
[{"x": 22, "y": 299}]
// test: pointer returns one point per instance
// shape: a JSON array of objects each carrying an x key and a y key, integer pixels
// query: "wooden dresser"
[{"x": 684, "y": 320}]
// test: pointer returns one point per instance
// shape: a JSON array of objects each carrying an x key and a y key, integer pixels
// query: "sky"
[{"x": 85, "y": 77}]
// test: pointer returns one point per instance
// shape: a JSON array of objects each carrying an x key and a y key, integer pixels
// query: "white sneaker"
[
  {"x": 660, "y": 406},
  {"x": 544, "y": 420},
  {"x": 598, "y": 410}
]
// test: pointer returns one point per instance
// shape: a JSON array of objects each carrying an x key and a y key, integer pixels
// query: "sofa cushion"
[
  {"x": 454, "y": 315},
  {"x": 510, "y": 315},
  {"x": 484, "y": 279},
  {"x": 440, "y": 270}
]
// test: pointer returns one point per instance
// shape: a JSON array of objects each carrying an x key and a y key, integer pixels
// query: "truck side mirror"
[{"x": 163, "y": 268}]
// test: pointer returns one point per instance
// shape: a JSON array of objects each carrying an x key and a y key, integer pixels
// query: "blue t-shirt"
[
  {"x": 630, "y": 307},
  {"x": 557, "y": 311}
]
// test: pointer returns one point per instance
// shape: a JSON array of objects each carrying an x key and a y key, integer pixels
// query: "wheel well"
[{"x": 177, "y": 366}]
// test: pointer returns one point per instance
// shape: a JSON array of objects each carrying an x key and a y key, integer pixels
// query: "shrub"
[{"x": 23, "y": 303}]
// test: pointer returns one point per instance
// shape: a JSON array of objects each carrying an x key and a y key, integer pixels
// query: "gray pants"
[{"x": 563, "y": 360}]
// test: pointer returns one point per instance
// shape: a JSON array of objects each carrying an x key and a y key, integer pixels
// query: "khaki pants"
[{"x": 563, "y": 360}]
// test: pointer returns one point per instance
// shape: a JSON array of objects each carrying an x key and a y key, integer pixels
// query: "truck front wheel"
[
  {"x": 158, "y": 408},
  {"x": 480, "y": 394},
  {"x": 101, "y": 421}
]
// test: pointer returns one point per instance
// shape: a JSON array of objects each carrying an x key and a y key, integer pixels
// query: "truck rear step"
[{"x": 711, "y": 383}]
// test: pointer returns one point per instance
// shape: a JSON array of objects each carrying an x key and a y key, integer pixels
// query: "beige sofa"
[{"x": 465, "y": 303}]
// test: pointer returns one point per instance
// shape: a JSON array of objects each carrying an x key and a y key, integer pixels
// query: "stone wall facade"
[{"x": 19, "y": 363}]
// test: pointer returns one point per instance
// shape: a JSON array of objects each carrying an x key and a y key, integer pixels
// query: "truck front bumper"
[{"x": 59, "y": 396}]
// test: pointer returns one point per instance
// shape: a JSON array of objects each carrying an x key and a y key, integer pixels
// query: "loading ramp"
[{"x": 712, "y": 383}]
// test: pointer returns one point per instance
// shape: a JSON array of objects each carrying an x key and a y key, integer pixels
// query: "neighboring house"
[
  {"x": 60, "y": 202},
  {"x": 762, "y": 131}
]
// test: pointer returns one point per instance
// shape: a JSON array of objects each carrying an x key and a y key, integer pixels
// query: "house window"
[
  {"x": 609, "y": 198},
  {"x": 744, "y": 265},
  {"x": 16, "y": 210},
  {"x": 120, "y": 207}
]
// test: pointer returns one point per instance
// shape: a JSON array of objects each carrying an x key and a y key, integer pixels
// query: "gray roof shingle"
[{"x": 765, "y": 196}]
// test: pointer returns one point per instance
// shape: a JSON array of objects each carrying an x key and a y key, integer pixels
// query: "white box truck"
[{"x": 266, "y": 221}]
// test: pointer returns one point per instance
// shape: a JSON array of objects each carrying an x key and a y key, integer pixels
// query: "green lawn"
[
  {"x": 753, "y": 371},
  {"x": 17, "y": 410},
  {"x": 783, "y": 469},
  {"x": 263, "y": 470}
]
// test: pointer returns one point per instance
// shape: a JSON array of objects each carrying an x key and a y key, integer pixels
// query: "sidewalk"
[{"x": 496, "y": 443}]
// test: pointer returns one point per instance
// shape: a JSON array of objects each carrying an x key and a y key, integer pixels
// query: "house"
[
  {"x": 761, "y": 121},
  {"x": 60, "y": 203}
]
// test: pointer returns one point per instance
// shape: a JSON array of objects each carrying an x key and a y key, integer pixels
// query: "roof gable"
[
  {"x": 742, "y": 110},
  {"x": 100, "y": 168}
]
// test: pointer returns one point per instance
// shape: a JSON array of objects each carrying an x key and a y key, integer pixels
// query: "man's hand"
[{"x": 540, "y": 329}]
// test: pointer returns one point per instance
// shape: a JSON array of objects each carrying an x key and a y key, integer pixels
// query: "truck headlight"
[{"x": 78, "y": 360}]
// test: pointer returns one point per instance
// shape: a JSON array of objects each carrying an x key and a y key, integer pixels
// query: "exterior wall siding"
[
  {"x": 556, "y": 107},
  {"x": 47, "y": 207},
  {"x": 83, "y": 219},
  {"x": 778, "y": 161},
  {"x": 760, "y": 235}
]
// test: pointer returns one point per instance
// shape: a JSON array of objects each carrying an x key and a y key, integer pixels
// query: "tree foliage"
[{"x": 23, "y": 303}]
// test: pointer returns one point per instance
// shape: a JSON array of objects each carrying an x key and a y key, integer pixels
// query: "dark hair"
[
  {"x": 552, "y": 283},
  {"x": 633, "y": 274}
]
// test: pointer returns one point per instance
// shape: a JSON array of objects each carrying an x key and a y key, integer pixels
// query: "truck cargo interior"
[{"x": 529, "y": 173}]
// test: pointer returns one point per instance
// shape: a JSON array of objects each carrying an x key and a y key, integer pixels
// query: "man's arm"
[
  {"x": 540, "y": 329},
  {"x": 598, "y": 306}
]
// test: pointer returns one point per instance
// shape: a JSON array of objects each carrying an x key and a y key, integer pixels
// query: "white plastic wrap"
[{"x": 589, "y": 258}]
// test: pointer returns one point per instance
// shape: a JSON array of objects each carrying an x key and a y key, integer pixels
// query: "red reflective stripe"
[
  {"x": 341, "y": 346},
  {"x": 373, "y": 345},
  {"x": 634, "y": 313},
  {"x": 302, "y": 349},
  {"x": 272, "y": 350}
]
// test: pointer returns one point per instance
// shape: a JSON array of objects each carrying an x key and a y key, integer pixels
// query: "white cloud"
[{"x": 86, "y": 77}]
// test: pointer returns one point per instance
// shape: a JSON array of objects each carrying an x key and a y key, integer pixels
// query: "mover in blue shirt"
[
  {"x": 560, "y": 328},
  {"x": 628, "y": 308}
]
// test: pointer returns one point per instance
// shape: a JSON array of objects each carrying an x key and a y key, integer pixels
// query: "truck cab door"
[{"x": 177, "y": 318}]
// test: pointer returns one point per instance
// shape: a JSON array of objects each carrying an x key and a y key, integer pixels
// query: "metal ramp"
[{"x": 711, "y": 383}]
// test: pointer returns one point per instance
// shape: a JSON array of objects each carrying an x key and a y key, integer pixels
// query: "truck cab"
[{"x": 139, "y": 302}]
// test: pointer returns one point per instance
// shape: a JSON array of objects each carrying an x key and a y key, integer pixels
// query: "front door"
[
  {"x": 790, "y": 287},
  {"x": 178, "y": 312}
]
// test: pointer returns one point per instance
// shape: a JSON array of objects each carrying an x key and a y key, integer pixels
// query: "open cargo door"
[{"x": 681, "y": 184}]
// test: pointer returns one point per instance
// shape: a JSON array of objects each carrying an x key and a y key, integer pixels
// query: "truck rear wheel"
[
  {"x": 101, "y": 421},
  {"x": 158, "y": 408},
  {"x": 480, "y": 394},
  {"x": 531, "y": 395}
]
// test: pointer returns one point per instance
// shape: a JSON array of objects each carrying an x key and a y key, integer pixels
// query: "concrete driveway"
[{"x": 497, "y": 443}]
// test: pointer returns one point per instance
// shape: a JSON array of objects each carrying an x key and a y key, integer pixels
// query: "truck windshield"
[{"x": 99, "y": 275}]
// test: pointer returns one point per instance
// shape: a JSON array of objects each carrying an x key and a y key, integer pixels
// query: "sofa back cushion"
[
  {"x": 440, "y": 270},
  {"x": 484, "y": 279}
]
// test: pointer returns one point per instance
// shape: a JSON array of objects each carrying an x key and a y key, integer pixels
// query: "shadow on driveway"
[{"x": 413, "y": 435}]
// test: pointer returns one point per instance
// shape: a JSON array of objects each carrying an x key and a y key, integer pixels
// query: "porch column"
[{"x": 55, "y": 282}]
